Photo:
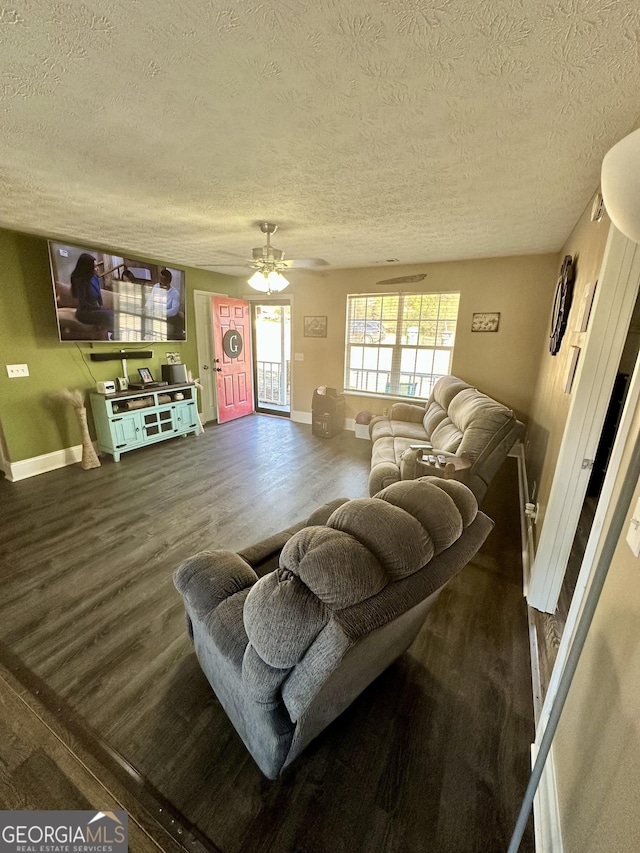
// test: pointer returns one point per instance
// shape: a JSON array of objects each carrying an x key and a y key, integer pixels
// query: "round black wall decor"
[
  {"x": 561, "y": 305},
  {"x": 232, "y": 343}
]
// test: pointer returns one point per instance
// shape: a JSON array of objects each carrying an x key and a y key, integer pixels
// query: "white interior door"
[
  {"x": 206, "y": 355},
  {"x": 611, "y": 314}
]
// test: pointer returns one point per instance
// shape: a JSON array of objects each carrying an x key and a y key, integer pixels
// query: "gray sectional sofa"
[
  {"x": 458, "y": 421},
  {"x": 288, "y": 652}
]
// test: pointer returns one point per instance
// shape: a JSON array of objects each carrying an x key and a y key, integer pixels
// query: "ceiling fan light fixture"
[
  {"x": 277, "y": 281},
  {"x": 258, "y": 281},
  {"x": 268, "y": 281}
]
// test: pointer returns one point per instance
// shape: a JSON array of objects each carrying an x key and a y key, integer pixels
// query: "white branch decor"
[{"x": 75, "y": 399}]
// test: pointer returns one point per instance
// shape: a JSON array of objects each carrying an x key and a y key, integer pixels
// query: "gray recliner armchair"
[{"x": 286, "y": 653}]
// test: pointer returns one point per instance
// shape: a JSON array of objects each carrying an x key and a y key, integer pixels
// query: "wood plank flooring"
[
  {"x": 44, "y": 766},
  {"x": 433, "y": 756}
]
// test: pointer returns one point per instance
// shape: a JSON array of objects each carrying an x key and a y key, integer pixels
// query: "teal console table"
[{"x": 132, "y": 419}]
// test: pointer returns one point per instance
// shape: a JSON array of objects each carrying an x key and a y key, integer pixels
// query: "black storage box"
[{"x": 327, "y": 414}]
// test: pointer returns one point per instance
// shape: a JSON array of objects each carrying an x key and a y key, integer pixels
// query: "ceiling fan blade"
[
  {"x": 305, "y": 263},
  {"x": 214, "y": 266},
  {"x": 403, "y": 278}
]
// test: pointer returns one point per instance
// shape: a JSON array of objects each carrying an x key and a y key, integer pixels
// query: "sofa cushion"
[
  {"x": 313, "y": 555},
  {"x": 390, "y": 449},
  {"x": 433, "y": 507},
  {"x": 386, "y": 429},
  {"x": 433, "y": 417},
  {"x": 479, "y": 418},
  {"x": 399, "y": 542},
  {"x": 462, "y": 497},
  {"x": 446, "y": 436},
  {"x": 282, "y": 618},
  {"x": 446, "y": 389}
]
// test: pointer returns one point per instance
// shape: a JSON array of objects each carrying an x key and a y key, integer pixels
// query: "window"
[{"x": 399, "y": 343}]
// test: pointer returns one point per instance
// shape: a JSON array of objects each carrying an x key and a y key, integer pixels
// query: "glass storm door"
[{"x": 272, "y": 353}]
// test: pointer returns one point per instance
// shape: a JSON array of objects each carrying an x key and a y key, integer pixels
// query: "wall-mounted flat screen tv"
[{"x": 104, "y": 297}]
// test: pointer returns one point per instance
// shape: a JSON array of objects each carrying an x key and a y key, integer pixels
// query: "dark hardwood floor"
[
  {"x": 433, "y": 756},
  {"x": 43, "y": 765}
]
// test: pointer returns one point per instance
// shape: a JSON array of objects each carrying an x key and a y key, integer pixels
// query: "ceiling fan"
[
  {"x": 401, "y": 279},
  {"x": 269, "y": 263}
]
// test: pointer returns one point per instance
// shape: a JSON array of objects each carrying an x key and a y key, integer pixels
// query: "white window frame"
[{"x": 375, "y": 362}]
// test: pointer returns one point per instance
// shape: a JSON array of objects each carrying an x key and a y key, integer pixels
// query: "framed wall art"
[
  {"x": 485, "y": 322},
  {"x": 572, "y": 366},
  {"x": 582, "y": 320},
  {"x": 315, "y": 327}
]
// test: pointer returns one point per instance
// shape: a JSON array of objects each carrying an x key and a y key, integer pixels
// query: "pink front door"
[{"x": 232, "y": 343}]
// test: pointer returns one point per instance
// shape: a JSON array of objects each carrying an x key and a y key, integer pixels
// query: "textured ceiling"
[{"x": 421, "y": 130}]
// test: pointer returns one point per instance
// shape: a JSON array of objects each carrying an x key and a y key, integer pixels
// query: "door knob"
[{"x": 218, "y": 370}]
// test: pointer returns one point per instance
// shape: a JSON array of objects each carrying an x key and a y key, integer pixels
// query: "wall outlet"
[
  {"x": 299, "y": 356},
  {"x": 15, "y": 370}
]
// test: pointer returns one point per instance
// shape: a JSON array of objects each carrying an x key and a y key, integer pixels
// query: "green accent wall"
[{"x": 33, "y": 424}]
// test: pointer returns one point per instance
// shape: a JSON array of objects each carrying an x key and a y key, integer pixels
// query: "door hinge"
[{"x": 587, "y": 464}]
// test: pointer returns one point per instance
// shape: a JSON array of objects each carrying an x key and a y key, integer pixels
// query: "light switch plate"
[{"x": 633, "y": 534}]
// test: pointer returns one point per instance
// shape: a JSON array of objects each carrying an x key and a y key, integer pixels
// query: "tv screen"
[{"x": 105, "y": 297}]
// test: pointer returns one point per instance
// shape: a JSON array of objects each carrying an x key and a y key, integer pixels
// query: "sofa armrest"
[
  {"x": 210, "y": 577},
  {"x": 263, "y": 556},
  {"x": 407, "y": 412},
  {"x": 322, "y": 514}
]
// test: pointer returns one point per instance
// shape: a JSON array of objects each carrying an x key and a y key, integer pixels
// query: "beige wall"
[
  {"x": 502, "y": 364},
  {"x": 597, "y": 745},
  {"x": 550, "y": 404}
]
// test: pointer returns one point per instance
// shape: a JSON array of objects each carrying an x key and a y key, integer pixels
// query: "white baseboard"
[
  {"x": 546, "y": 812},
  {"x": 41, "y": 464}
]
